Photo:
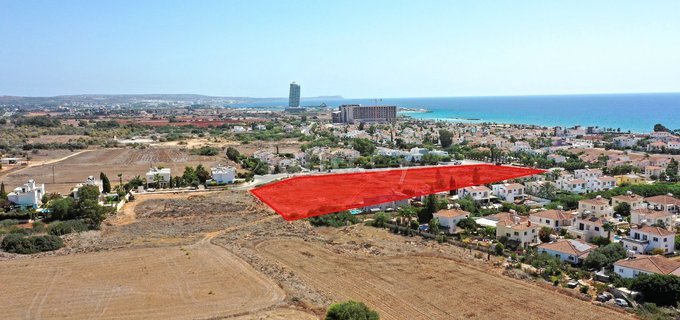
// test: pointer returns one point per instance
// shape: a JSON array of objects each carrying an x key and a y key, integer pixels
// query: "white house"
[
  {"x": 632, "y": 267},
  {"x": 508, "y": 191},
  {"x": 625, "y": 141},
  {"x": 517, "y": 229},
  {"x": 664, "y": 203},
  {"x": 450, "y": 218},
  {"x": 27, "y": 196},
  {"x": 647, "y": 238},
  {"x": 587, "y": 173},
  {"x": 90, "y": 181},
  {"x": 556, "y": 219},
  {"x": 478, "y": 193},
  {"x": 597, "y": 206},
  {"x": 601, "y": 183},
  {"x": 647, "y": 216},
  {"x": 163, "y": 175},
  {"x": 573, "y": 251},
  {"x": 222, "y": 174},
  {"x": 557, "y": 158},
  {"x": 588, "y": 228},
  {"x": 572, "y": 185},
  {"x": 633, "y": 200}
]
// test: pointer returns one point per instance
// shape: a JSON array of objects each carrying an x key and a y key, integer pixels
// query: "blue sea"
[{"x": 628, "y": 112}]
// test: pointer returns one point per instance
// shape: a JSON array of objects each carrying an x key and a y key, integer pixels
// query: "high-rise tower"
[{"x": 294, "y": 96}]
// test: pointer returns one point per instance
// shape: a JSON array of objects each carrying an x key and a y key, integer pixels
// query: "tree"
[
  {"x": 233, "y": 154},
  {"x": 406, "y": 214},
  {"x": 468, "y": 224},
  {"x": 663, "y": 290},
  {"x": 434, "y": 226},
  {"x": 157, "y": 178},
  {"x": 544, "y": 234},
  {"x": 3, "y": 194},
  {"x": 106, "y": 184},
  {"x": 351, "y": 310},
  {"x": 446, "y": 138},
  {"x": 426, "y": 213},
  {"x": 380, "y": 219},
  {"x": 499, "y": 249},
  {"x": 120, "y": 179},
  {"x": 189, "y": 175},
  {"x": 62, "y": 209},
  {"x": 202, "y": 174},
  {"x": 91, "y": 212},
  {"x": 88, "y": 192},
  {"x": 604, "y": 257},
  {"x": 660, "y": 128},
  {"x": 363, "y": 145},
  {"x": 609, "y": 227},
  {"x": 623, "y": 209}
]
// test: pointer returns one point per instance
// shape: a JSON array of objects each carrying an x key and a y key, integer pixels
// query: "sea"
[{"x": 625, "y": 112}]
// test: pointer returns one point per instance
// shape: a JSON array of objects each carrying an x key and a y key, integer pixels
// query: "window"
[
  {"x": 655, "y": 239},
  {"x": 621, "y": 270},
  {"x": 516, "y": 233},
  {"x": 597, "y": 228},
  {"x": 665, "y": 239}
]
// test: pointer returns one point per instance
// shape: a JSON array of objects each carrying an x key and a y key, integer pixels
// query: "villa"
[{"x": 27, "y": 196}]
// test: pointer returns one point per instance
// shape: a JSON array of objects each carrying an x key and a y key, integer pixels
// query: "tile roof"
[
  {"x": 451, "y": 213},
  {"x": 572, "y": 246},
  {"x": 628, "y": 197},
  {"x": 597, "y": 201},
  {"x": 553, "y": 214},
  {"x": 655, "y": 231},
  {"x": 655, "y": 264},
  {"x": 663, "y": 199}
]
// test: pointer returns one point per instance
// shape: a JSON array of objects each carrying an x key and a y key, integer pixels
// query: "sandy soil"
[
  {"x": 197, "y": 281},
  {"x": 130, "y": 162},
  {"x": 413, "y": 287},
  {"x": 222, "y": 254}
]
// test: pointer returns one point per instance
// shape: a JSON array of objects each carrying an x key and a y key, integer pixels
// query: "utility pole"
[{"x": 52, "y": 174}]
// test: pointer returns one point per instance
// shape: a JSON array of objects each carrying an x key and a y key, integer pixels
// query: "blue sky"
[{"x": 358, "y": 49}]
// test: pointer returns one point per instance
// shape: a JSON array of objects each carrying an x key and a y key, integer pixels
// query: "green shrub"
[
  {"x": 17, "y": 243},
  {"x": 60, "y": 228},
  {"x": 351, "y": 310},
  {"x": 336, "y": 220}
]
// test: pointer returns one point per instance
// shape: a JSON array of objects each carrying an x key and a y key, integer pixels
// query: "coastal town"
[{"x": 600, "y": 220}]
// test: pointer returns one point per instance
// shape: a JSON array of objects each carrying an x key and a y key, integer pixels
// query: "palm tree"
[
  {"x": 609, "y": 227},
  {"x": 120, "y": 179},
  {"x": 157, "y": 178}
]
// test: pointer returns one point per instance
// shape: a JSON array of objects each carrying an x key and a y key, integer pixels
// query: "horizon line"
[{"x": 350, "y": 98}]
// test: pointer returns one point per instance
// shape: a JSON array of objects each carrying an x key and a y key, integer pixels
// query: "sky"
[{"x": 357, "y": 49}]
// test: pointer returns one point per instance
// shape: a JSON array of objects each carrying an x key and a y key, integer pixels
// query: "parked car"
[
  {"x": 604, "y": 296},
  {"x": 621, "y": 302}
]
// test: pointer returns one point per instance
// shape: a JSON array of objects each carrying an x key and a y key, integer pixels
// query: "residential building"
[
  {"x": 518, "y": 230},
  {"x": 27, "y": 196},
  {"x": 629, "y": 179},
  {"x": 601, "y": 183},
  {"x": 572, "y": 185},
  {"x": 556, "y": 219},
  {"x": 478, "y": 193},
  {"x": 657, "y": 146},
  {"x": 90, "y": 181},
  {"x": 625, "y": 141},
  {"x": 656, "y": 264},
  {"x": 587, "y": 174},
  {"x": 589, "y": 227},
  {"x": 573, "y": 251},
  {"x": 597, "y": 206},
  {"x": 508, "y": 191},
  {"x": 222, "y": 174},
  {"x": 294, "y": 95},
  {"x": 557, "y": 158},
  {"x": 648, "y": 216},
  {"x": 159, "y": 177},
  {"x": 664, "y": 203},
  {"x": 353, "y": 113},
  {"x": 648, "y": 238},
  {"x": 450, "y": 218},
  {"x": 633, "y": 200},
  {"x": 654, "y": 171}
]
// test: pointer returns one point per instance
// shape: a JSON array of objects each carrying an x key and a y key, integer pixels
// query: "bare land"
[
  {"x": 129, "y": 162},
  {"x": 224, "y": 255}
]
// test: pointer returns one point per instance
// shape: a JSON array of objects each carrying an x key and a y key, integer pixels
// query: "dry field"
[
  {"x": 413, "y": 287},
  {"x": 129, "y": 162},
  {"x": 217, "y": 255},
  {"x": 199, "y": 281}
]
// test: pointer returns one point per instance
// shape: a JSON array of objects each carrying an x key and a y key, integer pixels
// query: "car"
[
  {"x": 621, "y": 302},
  {"x": 604, "y": 296}
]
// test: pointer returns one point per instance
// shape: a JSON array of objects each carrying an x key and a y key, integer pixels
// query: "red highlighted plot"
[{"x": 308, "y": 196}]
